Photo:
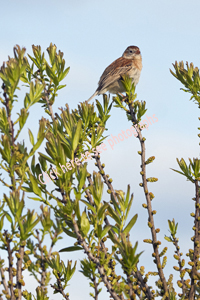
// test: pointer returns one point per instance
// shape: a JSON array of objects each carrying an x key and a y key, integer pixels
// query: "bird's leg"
[{"x": 122, "y": 95}]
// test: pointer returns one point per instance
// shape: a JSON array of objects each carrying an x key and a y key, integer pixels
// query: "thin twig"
[
  {"x": 19, "y": 271},
  {"x": 3, "y": 280},
  {"x": 10, "y": 260},
  {"x": 175, "y": 241},
  {"x": 137, "y": 274},
  {"x": 59, "y": 289},
  {"x": 46, "y": 95},
  {"x": 11, "y": 131},
  {"x": 149, "y": 207},
  {"x": 95, "y": 288},
  {"x": 100, "y": 268},
  {"x": 105, "y": 177},
  {"x": 43, "y": 273},
  {"x": 52, "y": 244},
  {"x": 196, "y": 242},
  {"x": 103, "y": 247}
]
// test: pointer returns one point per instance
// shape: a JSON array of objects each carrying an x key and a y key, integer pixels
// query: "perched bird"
[{"x": 129, "y": 64}]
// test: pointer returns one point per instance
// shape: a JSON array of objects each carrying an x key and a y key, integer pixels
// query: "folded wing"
[{"x": 113, "y": 72}]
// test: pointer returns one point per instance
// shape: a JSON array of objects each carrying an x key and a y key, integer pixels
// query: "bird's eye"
[{"x": 131, "y": 51}]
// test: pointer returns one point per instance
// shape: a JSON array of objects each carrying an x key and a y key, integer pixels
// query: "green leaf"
[
  {"x": 23, "y": 117},
  {"x": 130, "y": 225},
  {"x": 37, "y": 145},
  {"x": 105, "y": 230},
  {"x": 35, "y": 187},
  {"x": 76, "y": 135},
  {"x": 46, "y": 157},
  {"x": 114, "y": 215},
  {"x": 8, "y": 217},
  {"x": 102, "y": 210},
  {"x": 168, "y": 239},
  {"x": 82, "y": 176},
  {"x": 68, "y": 232},
  {"x": 50, "y": 72},
  {"x": 71, "y": 249},
  {"x": 127, "y": 197},
  {"x": 31, "y": 137},
  {"x": 170, "y": 226},
  {"x": 1, "y": 222},
  {"x": 64, "y": 74},
  {"x": 35, "y": 198},
  {"x": 93, "y": 209},
  {"x": 85, "y": 225},
  {"x": 61, "y": 87}
]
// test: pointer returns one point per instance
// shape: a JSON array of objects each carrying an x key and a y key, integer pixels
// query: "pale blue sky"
[{"x": 94, "y": 33}]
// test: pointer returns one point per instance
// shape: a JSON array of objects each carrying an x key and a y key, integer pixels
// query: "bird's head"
[{"x": 132, "y": 52}]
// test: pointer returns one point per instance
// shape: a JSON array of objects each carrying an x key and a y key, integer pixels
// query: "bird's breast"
[{"x": 134, "y": 73}]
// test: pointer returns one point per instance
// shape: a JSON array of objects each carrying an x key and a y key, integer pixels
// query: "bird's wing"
[{"x": 113, "y": 72}]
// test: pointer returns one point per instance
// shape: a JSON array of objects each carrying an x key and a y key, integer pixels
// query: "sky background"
[{"x": 92, "y": 34}]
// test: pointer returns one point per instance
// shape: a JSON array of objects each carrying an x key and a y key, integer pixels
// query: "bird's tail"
[{"x": 92, "y": 96}]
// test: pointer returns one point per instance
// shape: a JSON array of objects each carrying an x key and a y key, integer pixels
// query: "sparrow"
[{"x": 130, "y": 63}]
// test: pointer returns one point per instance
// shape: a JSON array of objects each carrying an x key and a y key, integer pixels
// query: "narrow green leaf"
[
  {"x": 68, "y": 232},
  {"x": 85, "y": 225},
  {"x": 31, "y": 137},
  {"x": 76, "y": 136},
  {"x": 114, "y": 215},
  {"x": 35, "y": 186},
  {"x": 102, "y": 210},
  {"x": 130, "y": 225},
  {"x": 105, "y": 230},
  {"x": 168, "y": 239},
  {"x": 46, "y": 157},
  {"x": 92, "y": 208},
  {"x": 71, "y": 249}
]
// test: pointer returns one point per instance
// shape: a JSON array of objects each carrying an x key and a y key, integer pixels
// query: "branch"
[
  {"x": 184, "y": 288},
  {"x": 137, "y": 274},
  {"x": 11, "y": 131},
  {"x": 59, "y": 289},
  {"x": 151, "y": 219},
  {"x": 19, "y": 271},
  {"x": 10, "y": 260},
  {"x": 105, "y": 177},
  {"x": 95, "y": 288},
  {"x": 89, "y": 197},
  {"x": 3, "y": 280},
  {"x": 51, "y": 247},
  {"x": 43, "y": 273},
  {"x": 46, "y": 95},
  {"x": 95, "y": 260},
  {"x": 196, "y": 243}
]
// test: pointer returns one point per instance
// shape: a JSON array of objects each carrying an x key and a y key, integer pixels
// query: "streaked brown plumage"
[{"x": 129, "y": 64}]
